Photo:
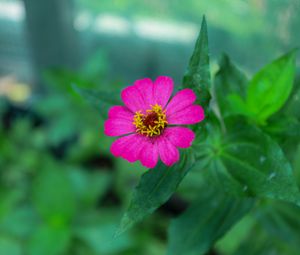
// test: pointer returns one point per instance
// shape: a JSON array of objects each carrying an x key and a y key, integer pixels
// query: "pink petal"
[
  {"x": 149, "y": 153},
  {"x": 167, "y": 151},
  {"x": 120, "y": 112},
  {"x": 146, "y": 87},
  {"x": 181, "y": 137},
  {"x": 133, "y": 99},
  {"x": 117, "y": 147},
  {"x": 190, "y": 115},
  {"x": 181, "y": 100},
  {"x": 127, "y": 147},
  {"x": 117, "y": 127},
  {"x": 163, "y": 88}
]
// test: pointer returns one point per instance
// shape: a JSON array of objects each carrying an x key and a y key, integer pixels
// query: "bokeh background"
[{"x": 61, "y": 192}]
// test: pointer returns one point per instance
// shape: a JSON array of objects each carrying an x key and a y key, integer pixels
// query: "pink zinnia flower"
[{"x": 148, "y": 123}]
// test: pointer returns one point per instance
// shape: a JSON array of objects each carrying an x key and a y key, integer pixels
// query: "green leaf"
[
  {"x": 286, "y": 130},
  {"x": 229, "y": 82},
  {"x": 205, "y": 221},
  {"x": 97, "y": 232},
  {"x": 9, "y": 201},
  {"x": 281, "y": 220},
  {"x": 260, "y": 242},
  {"x": 60, "y": 79},
  {"x": 246, "y": 161},
  {"x": 155, "y": 187},
  {"x": 284, "y": 126},
  {"x": 235, "y": 236},
  {"x": 89, "y": 186},
  {"x": 293, "y": 106},
  {"x": 53, "y": 195},
  {"x": 19, "y": 222},
  {"x": 100, "y": 100},
  {"x": 48, "y": 240},
  {"x": 10, "y": 246},
  {"x": 271, "y": 86},
  {"x": 197, "y": 76},
  {"x": 257, "y": 243},
  {"x": 237, "y": 106}
]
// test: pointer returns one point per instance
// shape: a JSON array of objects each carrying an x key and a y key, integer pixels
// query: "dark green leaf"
[
  {"x": 284, "y": 126},
  {"x": 281, "y": 220},
  {"x": 205, "y": 221},
  {"x": 271, "y": 86},
  {"x": 100, "y": 100},
  {"x": 155, "y": 187},
  {"x": 293, "y": 105},
  {"x": 246, "y": 161},
  {"x": 296, "y": 162},
  {"x": 286, "y": 130},
  {"x": 197, "y": 76},
  {"x": 229, "y": 81},
  {"x": 235, "y": 236},
  {"x": 256, "y": 243},
  {"x": 259, "y": 242}
]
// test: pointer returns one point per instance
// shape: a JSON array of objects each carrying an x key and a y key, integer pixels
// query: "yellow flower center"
[{"x": 152, "y": 123}]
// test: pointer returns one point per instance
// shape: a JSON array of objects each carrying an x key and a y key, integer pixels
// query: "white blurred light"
[
  {"x": 145, "y": 28},
  {"x": 166, "y": 31},
  {"x": 110, "y": 24},
  {"x": 83, "y": 21},
  {"x": 12, "y": 10}
]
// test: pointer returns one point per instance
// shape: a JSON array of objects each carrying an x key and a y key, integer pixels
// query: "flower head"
[{"x": 150, "y": 123}]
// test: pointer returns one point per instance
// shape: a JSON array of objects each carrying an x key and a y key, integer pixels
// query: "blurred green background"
[{"x": 61, "y": 192}]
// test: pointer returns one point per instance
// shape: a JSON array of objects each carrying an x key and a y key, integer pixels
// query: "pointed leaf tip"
[{"x": 197, "y": 76}]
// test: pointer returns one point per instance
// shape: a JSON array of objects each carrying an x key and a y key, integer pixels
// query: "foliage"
[
  {"x": 235, "y": 190},
  {"x": 235, "y": 151}
]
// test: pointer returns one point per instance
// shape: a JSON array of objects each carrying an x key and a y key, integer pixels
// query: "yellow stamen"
[{"x": 152, "y": 123}]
